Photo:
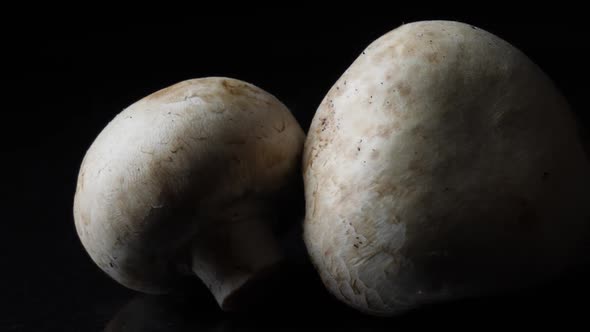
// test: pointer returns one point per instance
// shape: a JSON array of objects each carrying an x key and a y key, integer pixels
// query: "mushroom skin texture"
[
  {"x": 185, "y": 182},
  {"x": 443, "y": 164}
]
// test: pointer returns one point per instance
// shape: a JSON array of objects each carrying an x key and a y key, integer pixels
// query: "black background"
[{"x": 73, "y": 78}]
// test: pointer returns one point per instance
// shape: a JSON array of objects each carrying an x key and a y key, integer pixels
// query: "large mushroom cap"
[
  {"x": 442, "y": 164},
  {"x": 174, "y": 172}
]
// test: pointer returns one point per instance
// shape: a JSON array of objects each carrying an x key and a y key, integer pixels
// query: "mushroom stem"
[{"x": 231, "y": 259}]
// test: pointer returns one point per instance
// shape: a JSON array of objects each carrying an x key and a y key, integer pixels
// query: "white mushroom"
[
  {"x": 442, "y": 164},
  {"x": 186, "y": 181}
]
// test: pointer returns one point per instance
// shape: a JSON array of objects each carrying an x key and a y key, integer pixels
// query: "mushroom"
[
  {"x": 443, "y": 164},
  {"x": 188, "y": 181}
]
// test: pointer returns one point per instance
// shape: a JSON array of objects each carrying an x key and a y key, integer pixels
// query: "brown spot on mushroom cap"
[
  {"x": 432, "y": 57},
  {"x": 238, "y": 88},
  {"x": 374, "y": 154},
  {"x": 383, "y": 131},
  {"x": 404, "y": 89}
]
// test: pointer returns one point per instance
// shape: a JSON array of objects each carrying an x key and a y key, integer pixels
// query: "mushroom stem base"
[{"x": 231, "y": 260}]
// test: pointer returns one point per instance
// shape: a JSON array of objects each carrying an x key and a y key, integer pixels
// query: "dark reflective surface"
[
  {"x": 74, "y": 78},
  {"x": 297, "y": 302},
  {"x": 164, "y": 313},
  {"x": 285, "y": 313}
]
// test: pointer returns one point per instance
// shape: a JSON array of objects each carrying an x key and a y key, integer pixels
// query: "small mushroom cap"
[
  {"x": 442, "y": 164},
  {"x": 198, "y": 155}
]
